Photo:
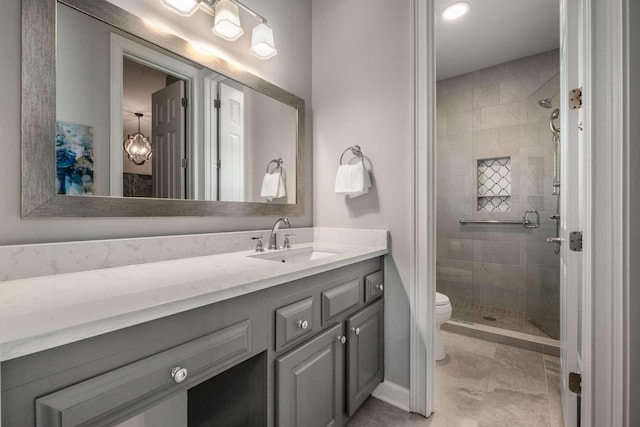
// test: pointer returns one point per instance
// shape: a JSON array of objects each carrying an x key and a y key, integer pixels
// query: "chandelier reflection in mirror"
[
  {"x": 137, "y": 146},
  {"x": 226, "y": 22}
]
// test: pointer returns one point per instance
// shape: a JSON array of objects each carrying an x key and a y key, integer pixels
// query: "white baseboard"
[{"x": 393, "y": 394}]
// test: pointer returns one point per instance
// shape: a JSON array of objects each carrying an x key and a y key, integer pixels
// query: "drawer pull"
[
  {"x": 303, "y": 324},
  {"x": 380, "y": 287},
  {"x": 179, "y": 374},
  {"x": 342, "y": 339},
  {"x": 356, "y": 331}
]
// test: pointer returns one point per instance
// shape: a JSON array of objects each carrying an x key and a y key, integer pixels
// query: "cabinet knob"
[
  {"x": 356, "y": 331},
  {"x": 342, "y": 339},
  {"x": 303, "y": 324},
  {"x": 179, "y": 374},
  {"x": 380, "y": 287}
]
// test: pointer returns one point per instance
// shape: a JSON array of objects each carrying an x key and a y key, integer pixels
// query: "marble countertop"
[{"x": 39, "y": 313}]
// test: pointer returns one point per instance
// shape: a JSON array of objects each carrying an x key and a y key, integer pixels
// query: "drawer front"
[
  {"x": 293, "y": 322},
  {"x": 373, "y": 286},
  {"x": 116, "y": 395},
  {"x": 340, "y": 299}
]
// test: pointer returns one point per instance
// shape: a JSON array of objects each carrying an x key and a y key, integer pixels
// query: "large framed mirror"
[{"x": 121, "y": 118}]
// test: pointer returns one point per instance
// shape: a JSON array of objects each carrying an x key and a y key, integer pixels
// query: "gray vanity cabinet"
[
  {"x": 365, "y": 354},
  {"x": 310, "y": 382}
]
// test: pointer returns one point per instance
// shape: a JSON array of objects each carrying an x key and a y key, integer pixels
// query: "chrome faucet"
[{"x": 273, "y": 239}]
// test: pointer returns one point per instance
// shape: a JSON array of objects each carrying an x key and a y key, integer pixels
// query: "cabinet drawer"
[
  {"x": 340, "y": 299},
  {"x": 373, "y": 285},
  {"x": 116, "y": 395},
  {"x": 293, "y": 321}
]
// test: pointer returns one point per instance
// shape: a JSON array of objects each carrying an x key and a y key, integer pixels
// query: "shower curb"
[{"x": 542, "y": 345}]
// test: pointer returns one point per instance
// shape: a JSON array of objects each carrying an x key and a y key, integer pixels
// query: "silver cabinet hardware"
[
  {"x": 179, "y": 374},
  {"x": 356, "y": 331},
  {"x": 380, "y": 287},
  {"x": 303, "y": 324},
  {"x": 342, "y": 339}
]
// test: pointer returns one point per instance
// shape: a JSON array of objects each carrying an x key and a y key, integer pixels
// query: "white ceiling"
[{"x": 493, "y": 32}]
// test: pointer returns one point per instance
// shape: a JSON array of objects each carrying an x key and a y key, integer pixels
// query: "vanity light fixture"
[
  {"x": 182, "y": 7},
  {"x": 455, "y": 10},
  {"x": 226, "y": 22},
  {"x": 137, "y": 146}
]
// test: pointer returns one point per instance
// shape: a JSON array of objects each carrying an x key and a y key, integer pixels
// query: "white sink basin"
[{"x": 294, "y": 256}]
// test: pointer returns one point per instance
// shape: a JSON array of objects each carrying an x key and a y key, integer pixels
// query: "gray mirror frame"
[{"x": 39, "y": 199}]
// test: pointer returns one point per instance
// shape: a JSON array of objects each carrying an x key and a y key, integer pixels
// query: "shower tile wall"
[{"x": 484, "y": 115}]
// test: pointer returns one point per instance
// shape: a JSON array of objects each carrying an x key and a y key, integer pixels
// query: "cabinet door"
[
  {"x": 365, "y": 352},
  {"x": 310, "y": 382}
]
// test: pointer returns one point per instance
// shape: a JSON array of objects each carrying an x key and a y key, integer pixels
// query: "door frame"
[
  {"x": 121, "y": 48},
  {"x": 605, "y": 267}
]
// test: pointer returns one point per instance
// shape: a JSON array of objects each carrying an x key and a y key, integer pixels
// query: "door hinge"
[
  {"x": 184, "y": 102},
  {"x": 217, "y": 164},
  {"x": 575, "y": 98},
  {"x": 216, "y": 104},
  {"x": 575, "y": 383},
  {"x": 185, "y": 163},
  {"x": 575, "y": 241}
]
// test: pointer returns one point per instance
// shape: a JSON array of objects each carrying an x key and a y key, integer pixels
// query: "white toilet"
[{"x": 443, "y": 313}]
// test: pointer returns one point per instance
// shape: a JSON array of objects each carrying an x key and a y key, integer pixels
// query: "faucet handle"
[
  {"x": 287, "y": 243},
  {"x": 259, "y": 245}
]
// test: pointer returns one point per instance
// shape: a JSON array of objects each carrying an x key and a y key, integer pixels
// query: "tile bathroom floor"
[{"x": 481, "y": 384}]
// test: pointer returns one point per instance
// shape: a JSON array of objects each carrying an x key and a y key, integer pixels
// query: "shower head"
[{"x": 545, "y": 103}]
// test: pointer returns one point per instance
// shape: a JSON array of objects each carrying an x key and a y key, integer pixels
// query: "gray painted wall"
[
  {"x": 361, "y": 95},
  {"x": 487, "y": 114},
  {"x": 291, "y": 70}
]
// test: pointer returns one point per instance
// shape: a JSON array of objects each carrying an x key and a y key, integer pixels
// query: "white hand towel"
[
  {"x": 352, "y": 180},
  {"x": 273, "y": 186}
]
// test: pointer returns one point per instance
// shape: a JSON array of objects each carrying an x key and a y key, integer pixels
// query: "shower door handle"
[{"x": 555, "y": 239}]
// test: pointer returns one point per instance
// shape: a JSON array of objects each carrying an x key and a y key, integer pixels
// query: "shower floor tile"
[
  {"x": 481, "y": 384},
  {"x": 502, "y": 318}
]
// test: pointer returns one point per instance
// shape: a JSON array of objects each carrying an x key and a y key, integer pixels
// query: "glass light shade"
[
  {"x": 182, "y": 7},
  {"x": 455, "y": 10},
  {"x": 226, "y": 23},
  {"x": 138, "y": 148},
  {"x": 262, "y": 44}
]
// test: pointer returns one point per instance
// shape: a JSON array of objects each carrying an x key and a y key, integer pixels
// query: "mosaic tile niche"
[{"x": 494, "y": 185}]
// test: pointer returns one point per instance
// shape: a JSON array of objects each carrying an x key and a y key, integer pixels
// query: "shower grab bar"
[{"x": 525, "y": 222}]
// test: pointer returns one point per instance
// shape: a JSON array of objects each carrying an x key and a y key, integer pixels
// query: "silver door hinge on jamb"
[
  {"x": 575, "y": 382},
  {"x": 185, "y": 163},
  {"x": 575, "y": 98},
  {"x": 575, "y": 241},
  {"x": 184, "y": 102}
]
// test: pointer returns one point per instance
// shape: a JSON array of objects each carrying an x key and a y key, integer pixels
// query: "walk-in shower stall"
[{"x": 498, "y": 195}]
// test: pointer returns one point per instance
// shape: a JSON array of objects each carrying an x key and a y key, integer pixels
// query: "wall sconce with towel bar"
[
  {"x": 352, "y": 179},
  {"x": 226, "y": 22}
]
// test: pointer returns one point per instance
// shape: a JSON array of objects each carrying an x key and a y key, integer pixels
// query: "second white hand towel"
[{"x": 273, "y": 186}]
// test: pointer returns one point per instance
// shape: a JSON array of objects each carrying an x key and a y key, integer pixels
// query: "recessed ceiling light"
[{"x": 455, "y": 10}]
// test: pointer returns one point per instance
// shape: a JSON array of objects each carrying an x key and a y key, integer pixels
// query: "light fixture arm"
[{"x": 209, "y": 7}]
